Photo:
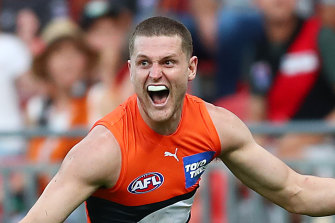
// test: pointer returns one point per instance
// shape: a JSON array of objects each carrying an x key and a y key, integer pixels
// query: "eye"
[
  {"x": 169, "y": 63},
  {"x": 143, "y": 63}
]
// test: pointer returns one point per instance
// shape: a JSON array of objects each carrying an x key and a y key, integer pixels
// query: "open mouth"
[{"x": 158, "y": 94}]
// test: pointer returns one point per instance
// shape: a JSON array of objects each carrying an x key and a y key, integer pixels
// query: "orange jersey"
[{"x": 159, "y": 174}]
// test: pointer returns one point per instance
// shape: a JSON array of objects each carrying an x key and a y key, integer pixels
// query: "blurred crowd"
[{"x": 63, "y": 65}]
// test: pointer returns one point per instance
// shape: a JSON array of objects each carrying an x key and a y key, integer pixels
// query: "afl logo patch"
[{"x": 146, "y": 183}]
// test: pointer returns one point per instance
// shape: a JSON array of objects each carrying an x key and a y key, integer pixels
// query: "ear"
[
  {"x": 192, "y": 68},
  {"x": 129, "y": 68}
]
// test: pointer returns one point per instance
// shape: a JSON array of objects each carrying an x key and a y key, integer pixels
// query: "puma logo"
[{"x": 171, "y": 154}]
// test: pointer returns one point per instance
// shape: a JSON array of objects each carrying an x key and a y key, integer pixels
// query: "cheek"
[
  {"x": 94, "y": 40},
  {"x": 137, "y": 83},
  {"x": 180, "y": 83},
  {"x": 138, "y": 76},
  {"x": 54, "y": 66},
  {"x": 78, "y": 63}
]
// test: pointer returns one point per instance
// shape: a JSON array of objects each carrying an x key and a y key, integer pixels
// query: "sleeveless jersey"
[
  {"x": 291, "y": 77},
  {"x": 159, "y": 174},
  {"x": 297, "y": 74}
]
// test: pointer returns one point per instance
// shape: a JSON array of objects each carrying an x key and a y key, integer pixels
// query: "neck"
[
  {"x": 166, "y": 127},
  {"x": 280, "y": 31},
  {"x": 61, "y": 97},
  {"x": 61, "y": 102}
]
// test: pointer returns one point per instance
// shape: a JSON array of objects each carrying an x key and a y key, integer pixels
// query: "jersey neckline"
[{"x": 144, "y": 126}]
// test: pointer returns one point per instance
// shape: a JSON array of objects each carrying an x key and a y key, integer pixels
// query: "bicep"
[
  {"x": 252, "y": 164},
  {"x": 257, "y": 168},
  {"x": 265, "y": 174}
]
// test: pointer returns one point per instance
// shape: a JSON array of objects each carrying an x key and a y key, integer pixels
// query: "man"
[
  {"x": 106, "y": 25},
  {"x": 143, "y": 161},
  {"x": 288, "y": 77},
  {"x": 327, "y": 40},
  {"x": 15, "y": 60},
  {"x": 289, "y": 54}
]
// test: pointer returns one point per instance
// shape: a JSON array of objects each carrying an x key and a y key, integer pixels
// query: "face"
[
  {"x": 27, "y": 23},
  {"x": 277, "y": 10},
  {"x": 160, "y": 72},
  {"x": 105, "y": 32},
  {"x": 328, "y": 15},
  {"x": 66, "y": 65}
]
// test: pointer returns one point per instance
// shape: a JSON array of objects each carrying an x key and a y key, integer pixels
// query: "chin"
[{"x": 160, "y": 115}]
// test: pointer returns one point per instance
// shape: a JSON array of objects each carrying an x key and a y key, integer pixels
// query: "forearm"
[
  {"x": 38, "y": 214},
  {"x": 269, "y": 176},
  {"x": 58, "y": 200},
  {"x": 274, "y": 180},
  {"x": 316, "y": 197},
  {"x": 46, "y": 209}
]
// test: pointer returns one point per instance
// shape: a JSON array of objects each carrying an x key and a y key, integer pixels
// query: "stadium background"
[{"x": 46, "y": 110}]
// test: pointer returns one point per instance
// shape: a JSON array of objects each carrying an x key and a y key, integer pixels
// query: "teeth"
[{"x": 157, "y": 88}]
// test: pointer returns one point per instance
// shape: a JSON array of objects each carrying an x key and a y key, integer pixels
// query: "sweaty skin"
[{"x": 160, "y": 60}]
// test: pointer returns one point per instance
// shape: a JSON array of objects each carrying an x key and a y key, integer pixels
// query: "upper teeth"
[{"x": 157, "y": 88}]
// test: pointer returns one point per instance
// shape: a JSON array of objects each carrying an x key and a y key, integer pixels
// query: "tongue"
[{"x": 159, "y": 98}]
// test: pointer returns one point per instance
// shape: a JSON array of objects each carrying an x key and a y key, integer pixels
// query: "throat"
[{"x": 163, "y": 126}]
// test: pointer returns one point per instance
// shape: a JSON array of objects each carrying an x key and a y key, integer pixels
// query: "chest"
[{"x": 158, "y": 170}]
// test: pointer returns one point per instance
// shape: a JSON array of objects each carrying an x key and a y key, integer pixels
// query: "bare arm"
[
  {"x": 266, "y": 174},
  {"x": 92, "y": 163}
]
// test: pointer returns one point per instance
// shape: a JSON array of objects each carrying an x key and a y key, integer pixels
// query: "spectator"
[
  {"x": 203, "y": 24},
  {"x": 60, "y": 27},
  {"x": 287, "y": 77},
  {"x": 27, "y": 29},
  {"x": 45, "y": 11},
  {"x": 15, "y": 60},
  {"x": 327, "y": 41},
  {"x": 63, "y": 67},
  {"x": 217, "y": 29},
  {"x": 240, "y": 26},
  {"x": 106, "y": 28}
]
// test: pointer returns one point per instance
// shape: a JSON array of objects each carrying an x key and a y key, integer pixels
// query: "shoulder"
[
  {"x": 220, "y": 113},
  {"x": 217, "y": 114},
  {"x": 232, "y": 131},
  {"x": 97, "y": 158},
  {"x": 100, "y": 137},
  {"x": 15, "y": 54},
  {"x": 118, "y": 113},
  {"x": 193, "y": 98},
  {"x": 12, "y": 41}
]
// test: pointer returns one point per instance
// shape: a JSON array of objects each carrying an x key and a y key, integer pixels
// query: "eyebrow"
[
  {"x": 164, "y": 58},
  {"x": 141, "y": 55},
  {"x": 169, "y": 56}
]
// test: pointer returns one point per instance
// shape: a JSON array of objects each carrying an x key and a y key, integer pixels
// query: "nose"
[{"x": 155, "y": 71}]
